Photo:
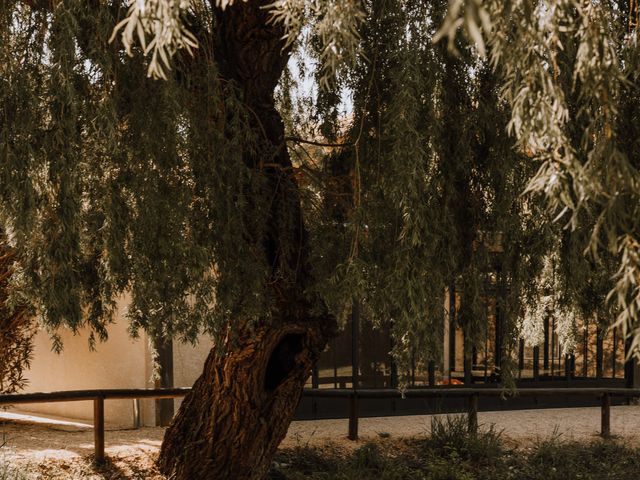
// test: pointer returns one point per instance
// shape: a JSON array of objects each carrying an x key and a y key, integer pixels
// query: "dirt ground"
[{"x": 62, "y": 449}]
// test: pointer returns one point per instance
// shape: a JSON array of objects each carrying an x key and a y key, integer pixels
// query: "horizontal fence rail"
[
  {"x": 98, "y": 397},
  {"x": 472, "y": 394},
  {"x": 81, "y": 395}
]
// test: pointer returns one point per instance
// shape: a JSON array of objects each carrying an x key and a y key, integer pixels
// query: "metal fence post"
[
  {"x": 432, "y": 373},
  {"x": 605, "y": 427},
  {"x": 473, "y": 413},
  {"x": 98, "y": 428},
  {"x": 353, "y": 416}
]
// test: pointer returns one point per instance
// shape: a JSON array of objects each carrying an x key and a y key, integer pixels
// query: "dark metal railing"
[{"x": 473, "y": 395}]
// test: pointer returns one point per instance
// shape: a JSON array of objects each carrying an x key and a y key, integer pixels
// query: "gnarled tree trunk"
[{"x": 238, "y": 412}]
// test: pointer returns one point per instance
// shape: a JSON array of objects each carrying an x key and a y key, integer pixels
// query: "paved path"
[{"x": 33, "y": 440}]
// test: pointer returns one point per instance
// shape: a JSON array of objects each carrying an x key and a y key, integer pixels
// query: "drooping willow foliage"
[
  {"x": 560, "y": 78},
  {"x": 569, "y": 72},
  {"x": 115, "y": 183},
  {"x": 435, "y": 194},
  {"x": 17, "y": 330}
]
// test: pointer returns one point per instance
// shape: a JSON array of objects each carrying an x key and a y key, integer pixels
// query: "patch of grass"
[
  {"x": 452, "y": 453},
  {"x": 370, "y": 460},
  {"x": 308, "y": 460},
  {"x": 7, "y": 471},
  {"x": 596, "y": 460}
]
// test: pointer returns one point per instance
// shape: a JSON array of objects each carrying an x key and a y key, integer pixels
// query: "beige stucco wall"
[
  {"x": 121, "y": 362},
  {"x": 188, "y": 360}
]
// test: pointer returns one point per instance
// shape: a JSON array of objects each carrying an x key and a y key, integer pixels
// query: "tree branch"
[{"x": 317, "y": 144}]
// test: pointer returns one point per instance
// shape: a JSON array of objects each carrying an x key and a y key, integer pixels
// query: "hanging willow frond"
[
  {"x": 578, "y": 124},
  {"x": 17, "y": 329}
]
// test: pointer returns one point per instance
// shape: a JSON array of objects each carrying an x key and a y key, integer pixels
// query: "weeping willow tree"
[{"x": 159, "y": 148}]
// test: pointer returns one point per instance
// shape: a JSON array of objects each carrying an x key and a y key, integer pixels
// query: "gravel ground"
[
  {"x": 518, "y": 425},
  {"x": 62, "y": 449}
]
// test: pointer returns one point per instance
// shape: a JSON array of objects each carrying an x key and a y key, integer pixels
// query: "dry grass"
[{"x": 126, "y": 467}]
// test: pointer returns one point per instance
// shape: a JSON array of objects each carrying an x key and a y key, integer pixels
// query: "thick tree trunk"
[{"x": 231, "y": 424}]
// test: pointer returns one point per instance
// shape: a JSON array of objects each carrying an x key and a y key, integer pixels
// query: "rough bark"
[
  {"x": 231, "y": 424},
  {"x": 238, "y": 412}
]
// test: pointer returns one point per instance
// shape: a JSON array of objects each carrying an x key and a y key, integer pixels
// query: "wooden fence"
[{"x": 471, "y": 394}]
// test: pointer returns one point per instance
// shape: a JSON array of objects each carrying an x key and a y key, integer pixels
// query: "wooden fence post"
[
  {"x": 473, "y": 413},
  {"x": 98, "y": 428},
  {"x": 137, "y": 422},
  {"x": 605, "y": 427},
  {"x": 353, "y": 416}
]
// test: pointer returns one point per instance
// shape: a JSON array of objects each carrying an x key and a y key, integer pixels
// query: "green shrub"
[{"x": 450, "y": 437}]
